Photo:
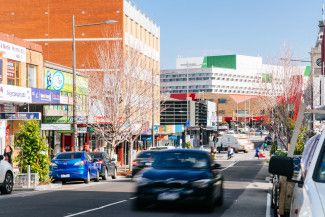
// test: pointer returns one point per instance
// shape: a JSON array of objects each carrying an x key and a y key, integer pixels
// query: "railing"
[{"x": 26, "y": 180}]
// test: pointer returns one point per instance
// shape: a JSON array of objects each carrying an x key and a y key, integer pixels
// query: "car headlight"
[
  {"x": 53, "y": 164},
  {"x": 202, "y": 183},
  {"x": 141, "y": 181}
]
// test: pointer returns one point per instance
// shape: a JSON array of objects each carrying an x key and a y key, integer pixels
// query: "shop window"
[
  {"x": 31, "y": 79},
  {"x": 13, "y": 74}
]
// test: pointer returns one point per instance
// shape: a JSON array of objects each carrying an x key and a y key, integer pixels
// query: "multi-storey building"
[
  {"x": 49, "y": 24},
  {"x": 234, "y": 82}
]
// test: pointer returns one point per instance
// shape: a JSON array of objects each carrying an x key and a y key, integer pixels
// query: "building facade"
[{"x": 234, "y": 82}]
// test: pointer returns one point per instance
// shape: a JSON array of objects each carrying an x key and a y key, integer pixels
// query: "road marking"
[
  {"x": 230, "y": 165},
  {"x": 132, "y": 198},
  {"x": 268, "y": 205},
  {"x": 95, "y": 209}
]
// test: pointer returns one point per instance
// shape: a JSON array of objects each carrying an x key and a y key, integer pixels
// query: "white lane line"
[
  {"x": 268, "y": 205},
  {"x": 132, "y": 198},
  {"x": 98, "y": 208},
  {"x": 230, "y": 165}
]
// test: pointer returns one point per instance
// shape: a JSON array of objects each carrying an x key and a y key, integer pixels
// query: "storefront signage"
[
  {"x": 58, "y": 119},
  {"x": 10, "y": 70},
  {"x": 12, "y": 51},
  {"x": 66, "y": 100},
  {"x": 82, "y": 129},
  {"x": 1, "y": 69},
  {"x": 21, "y": 116},
  {"x": 56, "y": 127},
  {"x": 11, "y": 93},
  {"x": 45, "y": 96},
  {"x": 63, "y": 81}
]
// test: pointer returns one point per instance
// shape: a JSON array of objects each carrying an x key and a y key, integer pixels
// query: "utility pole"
[
  {"x": 74, "y": 94},
  {"x": 152, "y": 105}
]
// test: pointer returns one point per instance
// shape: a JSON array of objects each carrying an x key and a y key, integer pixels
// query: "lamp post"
[{"x": 74, "y": 71}]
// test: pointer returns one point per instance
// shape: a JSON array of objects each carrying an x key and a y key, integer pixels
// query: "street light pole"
[
  {"x": 74, "y": 77},
  {"x": 153, "y": 110},
  {"x": 74, "y": 94}
]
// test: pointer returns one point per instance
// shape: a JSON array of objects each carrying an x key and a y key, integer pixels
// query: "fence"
[{"x": 26, "y": 180}]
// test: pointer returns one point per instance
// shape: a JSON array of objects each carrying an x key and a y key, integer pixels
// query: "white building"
[{"x": 226, "y": 74}]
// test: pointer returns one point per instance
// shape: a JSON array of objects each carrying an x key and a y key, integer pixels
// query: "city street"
[{"x": 245, "y": 195}]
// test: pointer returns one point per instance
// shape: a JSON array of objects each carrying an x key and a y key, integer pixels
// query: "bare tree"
[
  {"x": 120, "y": 94},
  {"x": 281, "y": 93}
]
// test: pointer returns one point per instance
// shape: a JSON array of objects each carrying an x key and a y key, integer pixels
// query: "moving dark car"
[
  {"x": 107, "y": 166},
  {"x": 185, "y": 176},
  {"x": 143, "y": 160}
]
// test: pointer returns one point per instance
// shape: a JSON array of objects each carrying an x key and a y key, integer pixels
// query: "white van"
[
  {"x": 308, "y": 199},
  {"x": 229, "y": 140}
]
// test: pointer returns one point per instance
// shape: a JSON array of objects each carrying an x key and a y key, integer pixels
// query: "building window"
[
  {"x": 13, "y": 74},
  {"x": 31, "y": 79}
]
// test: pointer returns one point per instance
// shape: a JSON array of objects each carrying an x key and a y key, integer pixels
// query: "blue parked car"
[{"x": 74, "y": 166}]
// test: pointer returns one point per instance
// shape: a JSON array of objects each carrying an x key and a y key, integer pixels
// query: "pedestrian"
[
  {"x": 265, "y": 146},
  {"x": 213, "y": 154},
  {"x": 8, "y": 154},
  {"x": 221, "y": 146},
  {"x": 257, "y": 152},
  {"x": 230, "y": 152}
]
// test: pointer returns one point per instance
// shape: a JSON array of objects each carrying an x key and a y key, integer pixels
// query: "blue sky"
[{"x": 250, "y": 27}]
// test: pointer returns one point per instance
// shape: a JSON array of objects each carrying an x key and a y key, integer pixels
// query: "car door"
[{"x": 2, "y": 170}]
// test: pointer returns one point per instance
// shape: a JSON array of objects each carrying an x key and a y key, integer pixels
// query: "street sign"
[
  {"x": 187, "y": 123},
  {"x": 21, "y": 116}
]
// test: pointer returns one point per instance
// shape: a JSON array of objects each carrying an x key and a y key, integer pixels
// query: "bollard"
[{"x": 28, "y": 176}]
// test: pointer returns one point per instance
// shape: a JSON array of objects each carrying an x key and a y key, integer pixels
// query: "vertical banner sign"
[{"x": 1, "y": 68}]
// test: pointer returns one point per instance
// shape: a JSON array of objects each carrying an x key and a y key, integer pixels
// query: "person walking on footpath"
[
  {"x": 264, "y": 146},
  {"x": 257, "y": 152},
  {"x": 8, "y": 154},
  {"x": 213, "y": 154},
  {"x": 230, "y": 152}
]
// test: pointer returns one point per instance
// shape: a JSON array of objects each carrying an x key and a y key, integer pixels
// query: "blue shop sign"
[
  {"x": 172, "y": 137},
  {"x": 21, "y": 116},
  {"x": 45, "y": 96}
]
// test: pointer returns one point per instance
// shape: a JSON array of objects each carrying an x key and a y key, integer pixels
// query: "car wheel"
[
  {"x": 114, "y": 174},
  {"x": 64, "y": 182},
  {"x": 87, "y": 180},
  {"x": 8, "y": 184},
  {"x": 105, "y": 176},
  {"x": 97, "y": 176},
  {"x": 219, "y": 201}
]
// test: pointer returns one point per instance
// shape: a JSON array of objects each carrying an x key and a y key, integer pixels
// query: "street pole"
[
  {"x": 74, "y": 94},
  {"x": 152, "y": 105}
]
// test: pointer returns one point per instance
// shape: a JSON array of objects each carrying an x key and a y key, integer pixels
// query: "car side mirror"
[
  {"x": 216, "y": 166},
  {"x": 1, "y": 157},
  {"x": 282, "y": 166}
]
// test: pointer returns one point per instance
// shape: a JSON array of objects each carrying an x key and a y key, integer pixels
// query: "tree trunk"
[{"x": 130, "y": 154}]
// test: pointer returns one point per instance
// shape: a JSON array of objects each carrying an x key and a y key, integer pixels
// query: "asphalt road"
[{"x": 245, "y": 195}]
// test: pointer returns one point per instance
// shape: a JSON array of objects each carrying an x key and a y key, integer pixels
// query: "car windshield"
[
  {"x": 181, "y": 160},
  {"x": 146, "y": 154},
  {"x": 65, "y": 156},
  {"x": 319, "y": 174},
  {"x": 96, "y": 155}
]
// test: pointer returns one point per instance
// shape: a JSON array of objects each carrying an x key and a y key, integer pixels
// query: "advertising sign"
[
  {"x": 1, "y": 69},
  {"x": 58, "y": 120},
  {"x": 45, "y": 96},
  {"x": 56, "y": 127},
  {"x": 12, "y": 51},
  {"x": 63, "y": 81},
  {"x": 11, "y": 93},
  {"x": 21, "y": 116}
]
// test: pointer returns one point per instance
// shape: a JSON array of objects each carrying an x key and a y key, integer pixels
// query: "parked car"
[
  {"x": 6, "y": 176},
  {"x": 107, "y": 166},
  {"x": 144, "y": 159},
  {"x": 180, "y": 176},
  {"x": 71, "y": 166},
  {"x": 308, "y": 198}
]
